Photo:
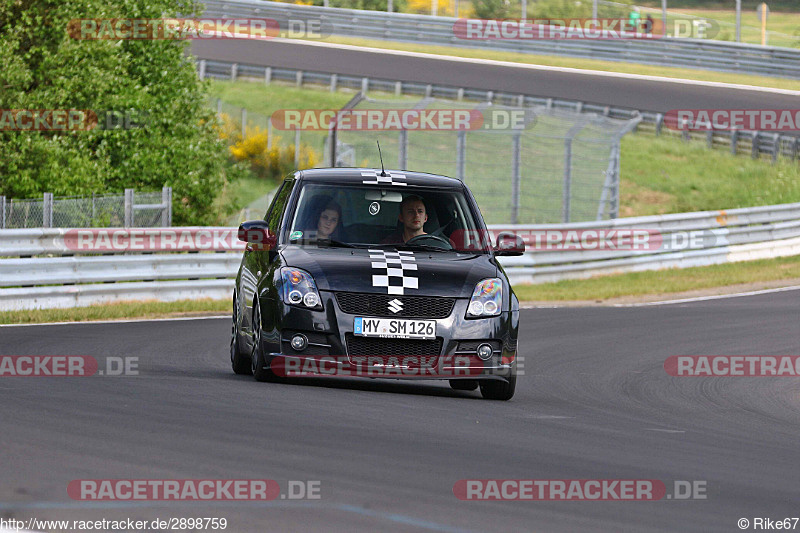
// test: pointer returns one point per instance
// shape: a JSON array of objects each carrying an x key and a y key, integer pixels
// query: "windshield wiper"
[
  {"x": 406, "y": 246},
  {"x": 334, "y": 243}
]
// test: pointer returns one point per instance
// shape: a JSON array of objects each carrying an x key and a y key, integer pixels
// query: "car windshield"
[{"x": 372, "y": 217}]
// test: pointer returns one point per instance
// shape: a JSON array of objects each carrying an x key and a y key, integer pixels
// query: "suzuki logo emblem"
[{"x": 395, "y": 306}]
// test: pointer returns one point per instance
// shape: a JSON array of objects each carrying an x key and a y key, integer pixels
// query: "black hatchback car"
[{"x": 380, "y": 274}]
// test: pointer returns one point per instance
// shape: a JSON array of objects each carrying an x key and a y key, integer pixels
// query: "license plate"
[{"x": 394, "y": 328}]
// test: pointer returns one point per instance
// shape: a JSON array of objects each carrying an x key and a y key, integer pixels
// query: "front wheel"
[
  {"x": 239, "y": 361},
  {"x": 260, "y": 368},
  {"x": 498, "y": 390}
]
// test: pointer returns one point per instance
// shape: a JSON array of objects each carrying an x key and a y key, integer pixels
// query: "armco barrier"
[
  {"x": 672, "y": 52},
  {"x": 47, "y": 268}
]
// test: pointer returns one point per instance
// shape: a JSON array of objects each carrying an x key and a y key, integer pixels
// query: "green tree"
[{"x": 44, "y": 68}]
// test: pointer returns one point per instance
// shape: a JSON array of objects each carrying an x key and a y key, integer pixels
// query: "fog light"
[
  {"x": 299, "y": 343},
  {"x": 295, "y": 297},
  {"x": 310, "y": 299},
  {"x": 485, "y": 351}
]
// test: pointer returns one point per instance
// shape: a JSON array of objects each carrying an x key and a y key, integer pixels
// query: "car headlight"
[
  {"x": 487, "y": 299},
  {"x": 298, "y": 288}
]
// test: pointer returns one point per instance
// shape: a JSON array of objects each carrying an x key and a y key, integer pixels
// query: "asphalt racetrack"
[
  {"x": 604, "y": 89},
  {"x": 594, "y": 403}
]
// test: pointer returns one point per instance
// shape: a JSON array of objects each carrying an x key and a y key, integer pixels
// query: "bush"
[{"x": 270, "y": 163}]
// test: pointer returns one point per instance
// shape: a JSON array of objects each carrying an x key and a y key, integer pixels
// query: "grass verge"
[
  {"x": 569, "y": 62},
  {"x": 664, "y": 282},
  {"x": 114, "y": 311}
]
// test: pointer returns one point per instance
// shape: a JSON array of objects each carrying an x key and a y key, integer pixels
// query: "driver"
[{"x": 413, "y": 216}]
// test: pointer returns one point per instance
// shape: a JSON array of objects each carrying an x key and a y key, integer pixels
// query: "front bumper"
[{"x": 329, "y": 330}]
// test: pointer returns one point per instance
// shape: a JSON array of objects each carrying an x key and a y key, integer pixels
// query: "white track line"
[
  {"x": 714, "y": 297},
  {"x": 478, "y": 61}
]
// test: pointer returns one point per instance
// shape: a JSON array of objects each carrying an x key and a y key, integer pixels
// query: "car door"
[{"x": 259, "y": 265}]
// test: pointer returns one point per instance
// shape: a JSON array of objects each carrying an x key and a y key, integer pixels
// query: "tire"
[
  {"x": 239, "y": 361},
  {"x": 498, "y": 390},
  {"x": 261, "y": 371},
  {"x": 463, "y": 384}
]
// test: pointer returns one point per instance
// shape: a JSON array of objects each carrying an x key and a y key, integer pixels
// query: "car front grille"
[
  {"x": 409, "y": 307},
  {"x": 359, "y": 346}
]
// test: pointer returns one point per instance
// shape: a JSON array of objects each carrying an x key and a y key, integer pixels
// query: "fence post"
[
  {"x": 364, "y": 86},
  {"x": 166, "y": 201},
  {"x": 710, "y": 139},
  {"x": 128, "y": 222},
  {"x": 299, "y": 78},
  {"x": 47, "y": 210},
  {"x": 515, "y": 177},
  {"x": 776, "y": 146},
  {"x": 234, "y": 71},
  {"x": 402, "y": 150},
  {"x": 2, "y": 212},
  {"x": 398, "y": 88},
  {"x": 332, "y": 141},
  {"x": 566, "y": 192},
  {"x": 460, "y": 94},
  {"x": 202, "y": 74},
  {"x": 659, "y": 123},
  {"x": 334, "y": 80},
  {"x": 754, "y": 146},
  {"x": 461, "y": 155},
  {"x": 268, "y": 75},
  {"x": 617, "y": 150},
  {"x": 297, "y": 148},
  {"x": 734, "y": 141}
]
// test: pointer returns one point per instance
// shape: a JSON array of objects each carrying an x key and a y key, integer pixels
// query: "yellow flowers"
[{"x": 275, "y": 161}]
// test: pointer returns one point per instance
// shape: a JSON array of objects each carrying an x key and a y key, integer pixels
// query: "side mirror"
[
  {"x": 509, "y": 244},
  {"x": 258, "y": 234}
]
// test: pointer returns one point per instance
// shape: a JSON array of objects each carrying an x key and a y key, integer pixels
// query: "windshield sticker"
[
  {"x": 296, "y": 235},
  {"x": 374, "y": 208},
  {"x": 393, "y": 267},
  {"x": 388, "y": 179}
]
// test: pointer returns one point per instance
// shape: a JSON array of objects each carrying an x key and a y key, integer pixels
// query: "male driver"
[{"x": 413, "y": 217}]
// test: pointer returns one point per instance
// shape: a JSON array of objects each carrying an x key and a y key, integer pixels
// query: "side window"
[{"x": 278, "y": 206}]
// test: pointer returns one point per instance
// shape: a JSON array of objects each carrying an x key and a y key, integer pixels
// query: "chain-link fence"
[
  {"x": 131, "y": 209},
  {"x": 553, "y": 166}
]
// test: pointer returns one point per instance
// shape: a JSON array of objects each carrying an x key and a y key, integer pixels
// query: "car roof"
[{"x": 366, "y": 175}]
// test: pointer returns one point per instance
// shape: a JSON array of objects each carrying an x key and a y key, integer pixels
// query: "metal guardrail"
[
  {"x": 680, "y": 241},
  {"x": 197, "y": 272},
  {"x": 754, "y": 143},
  {"x": 668, "y": 52}
]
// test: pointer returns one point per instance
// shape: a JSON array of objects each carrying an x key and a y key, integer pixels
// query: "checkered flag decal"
[
  {"x": 395, "y": 264},
  {"x": 388, "y": 179}
]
